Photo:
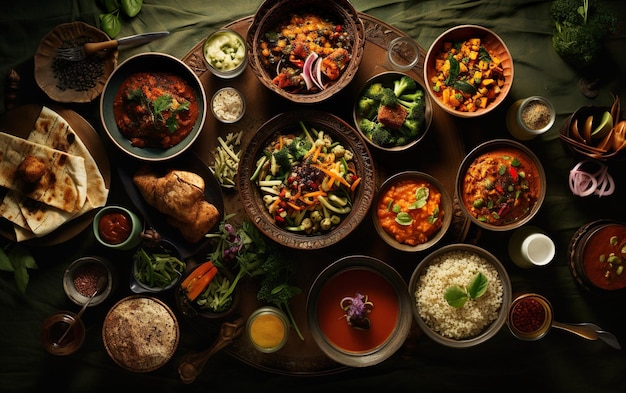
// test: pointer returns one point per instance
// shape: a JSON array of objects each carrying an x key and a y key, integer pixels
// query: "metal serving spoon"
[{"x": 102, "y": 282}]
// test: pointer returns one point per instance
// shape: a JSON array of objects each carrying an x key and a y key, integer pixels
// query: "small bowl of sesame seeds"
[
  {"x": 73, "y": 81},
  {"x": 81, "y": 278}
]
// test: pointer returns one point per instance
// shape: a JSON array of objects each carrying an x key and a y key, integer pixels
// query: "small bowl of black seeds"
[{"x": 73, "y": 81}]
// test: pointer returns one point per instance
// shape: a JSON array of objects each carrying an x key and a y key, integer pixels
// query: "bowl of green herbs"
[{"x": 156, "y": 267}]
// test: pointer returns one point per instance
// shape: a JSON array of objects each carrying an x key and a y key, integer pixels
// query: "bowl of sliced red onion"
[{"x": 591, "y": 177}]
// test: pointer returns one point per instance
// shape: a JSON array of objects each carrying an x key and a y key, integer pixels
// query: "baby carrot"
[
  {"x": 199, "y": 285},
  {"x": 196, "y": 274}
]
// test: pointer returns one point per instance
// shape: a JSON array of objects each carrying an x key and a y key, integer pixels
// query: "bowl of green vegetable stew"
[
  {"x": 306, "y": 179},
  {"x": 393, "y": 112},
  {"x": 157, "y": 267}
]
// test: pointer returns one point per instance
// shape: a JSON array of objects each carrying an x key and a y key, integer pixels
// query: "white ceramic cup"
[{"x": 530, "y": 247}]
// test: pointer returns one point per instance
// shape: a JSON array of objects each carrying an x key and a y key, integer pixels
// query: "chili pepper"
[{"x": 513, "y": 173}]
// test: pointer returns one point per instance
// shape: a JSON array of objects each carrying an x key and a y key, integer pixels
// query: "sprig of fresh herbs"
[
  {"x": 161, "y": 104},
  {"x": 17, "y": 259},
  {"x": 421, "y": 198},
  {"x": 111, "y": 22},
  {"x": 456, "y": 295}
]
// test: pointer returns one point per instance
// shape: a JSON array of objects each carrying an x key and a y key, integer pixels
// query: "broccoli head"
[
  {"x": 382, "y": 136},
  {"x": 389, "y": 98},
  {"x": 367, "y": 106},
  {"x": 374, "y": 91},
  {"x": 299, "y": 147},
  {"x": 403, "y": 84}
]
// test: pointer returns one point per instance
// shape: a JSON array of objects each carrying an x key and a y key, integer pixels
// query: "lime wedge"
[{"x": 603, "y": 128}]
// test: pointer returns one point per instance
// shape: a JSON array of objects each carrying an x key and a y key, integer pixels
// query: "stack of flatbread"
[{"x": 50, "y": 177}]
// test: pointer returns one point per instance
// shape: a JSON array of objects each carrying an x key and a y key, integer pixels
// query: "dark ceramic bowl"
[
  {"x": 339, "y": 130},
  {"x": 476, "y": 192},
  {"x": 390, "y": 318},
  {"x": 271, "y": 14},
  {"x": 387, "y": 80},
  {"x": 443, "y": 211},
  {"x": 439, "y": 312},
  {"x": 150, "y": 62}
]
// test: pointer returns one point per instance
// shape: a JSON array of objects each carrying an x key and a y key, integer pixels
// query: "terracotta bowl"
[
  {"x": 430, "y": 314},
  {"x": 481, "y": 205},
  {"x": 443, "y": 209},
  {"x": 492, "y": 42},
  {"x": 271, "y": 14},
  {"x": 56, "y": 77},
  {"x": 389, "y": 318},
  {"x": 252, "y": 197},
  {"x": 387, "y": 79},
  {"x": 150, "y": 62}
]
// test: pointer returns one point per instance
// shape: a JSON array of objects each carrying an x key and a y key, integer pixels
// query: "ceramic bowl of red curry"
[
  {"x": 117, "y": 227},
  {"x": 501, "y": 185},
  {"x": 359, "y": 311},
  {"x": 412, "y": 211},
  {"x": 153, "y": 107}
]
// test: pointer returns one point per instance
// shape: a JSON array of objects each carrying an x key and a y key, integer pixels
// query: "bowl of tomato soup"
[
  {"x": 153, "y": 107},
  {"x": 117, "y": 227},
  {"x": 501, "y": 185},
  {"x": 413, "y": 211},
  {"x": 359, "y": 311}
]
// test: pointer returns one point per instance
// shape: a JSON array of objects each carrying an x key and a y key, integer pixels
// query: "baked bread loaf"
[{"x": 180, "y": 196}]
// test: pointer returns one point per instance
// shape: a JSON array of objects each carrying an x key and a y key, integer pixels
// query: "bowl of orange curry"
[
  {"x": 412, "y": 211},
  {"x": 501, "y": 185},
  {"x": 153, "y": 107}
]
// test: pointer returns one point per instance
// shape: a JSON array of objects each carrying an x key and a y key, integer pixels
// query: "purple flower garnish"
[{"x": 356, "y": 309}]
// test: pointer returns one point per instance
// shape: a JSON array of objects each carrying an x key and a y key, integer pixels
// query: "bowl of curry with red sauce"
[
  {"x": 412, "y": 211},
  {"x": 305, "y": 51},
  {"x": 359, "y": 311},
  {"x": 501, "y": 185},
  {"x": 153, "y": 107}
]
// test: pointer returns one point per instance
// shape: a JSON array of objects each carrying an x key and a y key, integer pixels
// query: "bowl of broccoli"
[{"x": 392, "y": 112}]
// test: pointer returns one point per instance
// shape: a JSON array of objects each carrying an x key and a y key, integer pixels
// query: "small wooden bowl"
[{"x": 67, "y": 35}]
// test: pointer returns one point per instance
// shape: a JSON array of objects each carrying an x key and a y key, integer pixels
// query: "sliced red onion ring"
[
  {"x": 307, "y": 70},
  {"x": 583, "y": 183},
  {"x": 317, "y": 76}
]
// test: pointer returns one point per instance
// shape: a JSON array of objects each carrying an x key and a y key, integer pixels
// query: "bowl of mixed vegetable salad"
[
  {"x": 468, "y": 70},
  {"x": 305, "y": 51},
  {"x": 306, "y": 179},
  {"x": 393, "y": 112}
]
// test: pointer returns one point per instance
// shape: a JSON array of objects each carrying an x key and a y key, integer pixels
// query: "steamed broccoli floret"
[
  {"x": 404, "y": 83},
  {"x": 388, "y": 97},
  {"x": 367, "y": 106},
  {"x": 418, "y": 95},
  {"x": 382, "y": 136},
  {"x": 374, "y": 91},
  {"x": 299, "y": 147},
  {"x": 412, "y": 127},
  {"x": 283, "y": 158},
  {"x": 580, "y": 27}
]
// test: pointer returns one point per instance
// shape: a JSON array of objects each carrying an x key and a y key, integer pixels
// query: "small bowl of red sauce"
[
  {"x": 117, "y": 227},
  {"x": 530, "y": 316},
  {"x": 359, "y": 311},
  {"x": 81, "y": 278}
]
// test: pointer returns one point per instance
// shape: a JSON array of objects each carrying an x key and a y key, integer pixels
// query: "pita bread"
[
  {"x": 64, "y": 183},
  {"x": 32, "y": 219}
]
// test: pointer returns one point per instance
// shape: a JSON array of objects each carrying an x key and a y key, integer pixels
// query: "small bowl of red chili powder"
[
  {"x": 117, "y": 227},
  {"x": 81, "y": 279},
  {"x": 530, "y": 316}
]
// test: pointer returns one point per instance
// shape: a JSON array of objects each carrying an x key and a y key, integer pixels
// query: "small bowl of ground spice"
[
  {"x": 530, "y": 117},
  {"x": 73, "y": 81},
  {"x": 530, "y": 316},
  {"x": 228, "y": 105},
  {"x": 81, "y": 278}
]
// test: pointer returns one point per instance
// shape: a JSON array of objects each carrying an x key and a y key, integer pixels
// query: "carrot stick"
[
  {"x": 355, "y": 183},
  {"x": 199, "y": 285},
  {"x": 196, "y": 274},
  {"x": 294, "y": 206},
  {"x": 333, "y": 175}
]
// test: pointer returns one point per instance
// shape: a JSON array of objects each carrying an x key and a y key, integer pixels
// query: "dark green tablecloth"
[{"x": 559, "y": 362}]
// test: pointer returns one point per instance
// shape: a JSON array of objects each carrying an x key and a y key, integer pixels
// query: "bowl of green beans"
[{"x": 156, "y": 267}]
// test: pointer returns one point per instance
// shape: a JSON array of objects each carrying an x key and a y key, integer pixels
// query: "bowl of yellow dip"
[
  {"x": 268, "y": 329},
  {"x": 225, "y": 53}
]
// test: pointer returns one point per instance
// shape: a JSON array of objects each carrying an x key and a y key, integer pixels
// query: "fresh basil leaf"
[
  {"x": 404, "y": 218},
  {"x": 433, "y": 217},
  {"x": 455, "y": 68},
  {"x": 110, "y": 24},
  {"x": 18, "y": 254},
  {"x": 465, "y": 87},
  {"x": 421, "y": 195},
  {"x": 455, "y": 296},
  {"x": 396, "y": 208},
  {"x": 131, "y": 7},
  {"x": 5, "y": 262},
  {"x": 478, "y": 286}
]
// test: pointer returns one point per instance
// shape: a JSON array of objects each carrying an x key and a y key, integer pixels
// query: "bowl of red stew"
[
  {"x": 305, "y": 51},
  {"x": 153, "y": 107},
  {"x": 501, "y": 185},
  {"x": 117, "y": 227},
  {"x": 412, "y": 211},
  {"x": 359, "y": 311}
]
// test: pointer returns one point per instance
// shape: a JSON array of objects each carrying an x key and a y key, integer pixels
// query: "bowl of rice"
[{"x": 461, "y": 294}]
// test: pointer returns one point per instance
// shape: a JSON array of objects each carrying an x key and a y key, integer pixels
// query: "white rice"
[{"x": 458, "y": 268}]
